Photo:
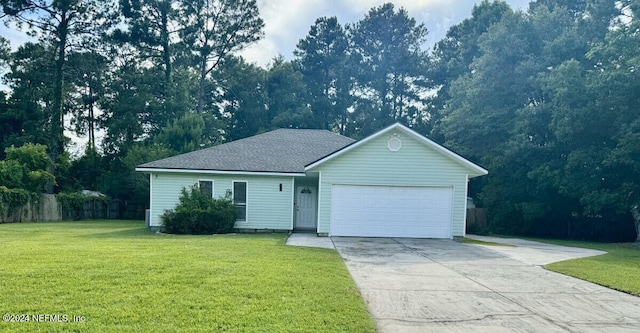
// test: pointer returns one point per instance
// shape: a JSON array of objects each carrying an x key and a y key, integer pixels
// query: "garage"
[
  {"x": 394, "y": 183},
  {"x": 391, "y": 211}
]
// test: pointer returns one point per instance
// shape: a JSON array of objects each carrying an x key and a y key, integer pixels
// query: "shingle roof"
[{"x": 281, "y": 151}]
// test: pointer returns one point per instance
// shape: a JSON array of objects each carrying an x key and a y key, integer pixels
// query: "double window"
[{"x": 240, "y": 199}]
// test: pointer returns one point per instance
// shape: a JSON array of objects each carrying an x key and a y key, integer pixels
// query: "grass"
[
  {"x": 119, "y": 277},
  {"x": 618, "y": 269},
  {"x": 479, "y": 242}
]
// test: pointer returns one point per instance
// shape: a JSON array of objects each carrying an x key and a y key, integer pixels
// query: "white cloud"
[
  {"x": 261, "y": 52},
  {"x": 286, "y": 22},
  {"x": 410, "y": 5}
]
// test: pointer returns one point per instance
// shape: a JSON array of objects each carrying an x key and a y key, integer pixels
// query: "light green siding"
[
  {"x": 372, "y": 163},
  {"x": 267, "y": 206}
]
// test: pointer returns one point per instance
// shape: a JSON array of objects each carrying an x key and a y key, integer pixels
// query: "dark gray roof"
[{"x": 282, "y": 151}]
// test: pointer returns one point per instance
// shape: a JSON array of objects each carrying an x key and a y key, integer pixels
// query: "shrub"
[
  {"x": 27, "y": 168},
  {"x": 197, "y": 213},
  {"x": 11, "y": 174}
]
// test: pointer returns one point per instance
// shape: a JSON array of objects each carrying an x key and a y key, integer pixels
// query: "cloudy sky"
[{"x": 287, "y": 21}]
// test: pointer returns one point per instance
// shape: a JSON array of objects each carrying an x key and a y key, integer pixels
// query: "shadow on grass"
[
  {"x": 99, "y": 225},
  {"x": 108, "y": 228},
  {"x": 127, "y": 233}
]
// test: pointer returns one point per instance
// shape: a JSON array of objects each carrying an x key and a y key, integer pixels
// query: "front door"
[{"x": 305, "y": 208}]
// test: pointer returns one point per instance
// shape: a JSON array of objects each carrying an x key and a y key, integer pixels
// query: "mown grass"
[
  {"x": 121, "y": 277},
  {"x": 618, "y": 269},
  {"x": 479, "y": 242}
]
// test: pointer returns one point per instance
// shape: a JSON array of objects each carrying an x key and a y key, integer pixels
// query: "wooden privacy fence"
[
  {"x": 476, "y": 219},
  {"x": 45, "y": 209},
  {"x": 49, "y": 208},
  {"x": 90, "y": 209}
]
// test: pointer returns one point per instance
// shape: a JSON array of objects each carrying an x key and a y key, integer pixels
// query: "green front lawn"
[
  {"x": 618, "y": 269},
  {"x": 116, "y": 276}
]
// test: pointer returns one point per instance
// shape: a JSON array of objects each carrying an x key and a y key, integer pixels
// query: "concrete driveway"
[{"x": 428, "y": 285}]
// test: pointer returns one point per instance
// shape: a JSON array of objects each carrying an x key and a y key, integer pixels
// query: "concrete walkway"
[
  {"x": 535, "y": 253},
  {"x": 428, "y": 285},
  {"x": 309, "y": 239}
]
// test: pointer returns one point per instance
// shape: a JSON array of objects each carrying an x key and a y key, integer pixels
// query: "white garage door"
[{"x": 391, "y": 211}]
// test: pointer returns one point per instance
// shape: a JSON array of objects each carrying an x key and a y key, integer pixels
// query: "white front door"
[{"x": 305, "y": 207}]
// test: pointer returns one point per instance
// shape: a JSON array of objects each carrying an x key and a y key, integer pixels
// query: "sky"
[{"x": 288, "y": 21}]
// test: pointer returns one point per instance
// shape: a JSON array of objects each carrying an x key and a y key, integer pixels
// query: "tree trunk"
[
  {"x": 203, "y": 78},
  {"x": 57, "y": 125},
  {"x": 635, "y": 212},
  {"x": 91, "y": 121},
  {"x": 166, "y": 52}
]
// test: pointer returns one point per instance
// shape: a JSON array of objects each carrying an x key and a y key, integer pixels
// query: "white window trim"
[
  {"x": 293, "y": 202},
  {"x": 319, "y": 208},
  {"x": 151, "y": 203},
  {"x": 246, "y": 204},
  {"x": 213, "y": 185}
]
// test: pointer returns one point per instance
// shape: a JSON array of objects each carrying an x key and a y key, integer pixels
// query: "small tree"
[
  {"x": 26, "y": 168},
  {"x": 198, "y": 213},
  {"x": 23, "y": 175}
]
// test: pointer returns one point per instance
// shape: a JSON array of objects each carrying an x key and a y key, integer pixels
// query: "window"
[
  {"x": 240, "y": 199},
  {"x": 206, "y": 186}
]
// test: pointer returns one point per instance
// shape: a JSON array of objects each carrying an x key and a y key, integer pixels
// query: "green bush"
[
  {"x": 197, "y": 213},
  {"x": 11, "y": 174},
  {"x": 27, "y": 168}
]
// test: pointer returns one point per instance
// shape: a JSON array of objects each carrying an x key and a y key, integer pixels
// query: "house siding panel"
[
  {"x": 267, "y": 206},
  {"x": 415, "y": 164}
]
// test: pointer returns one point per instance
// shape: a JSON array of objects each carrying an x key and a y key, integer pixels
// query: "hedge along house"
[{"x": 394, "y": 183}]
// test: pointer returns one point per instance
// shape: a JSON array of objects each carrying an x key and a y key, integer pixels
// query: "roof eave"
[
  {"x": 479, "y": 174},
  {"x": 222, "y": 172}
]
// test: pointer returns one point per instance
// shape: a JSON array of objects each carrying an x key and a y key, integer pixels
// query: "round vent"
[{"x": 394, "y": 144}]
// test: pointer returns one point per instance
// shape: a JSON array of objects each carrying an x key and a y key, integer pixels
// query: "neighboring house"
[{"x": 394, "y": 183}]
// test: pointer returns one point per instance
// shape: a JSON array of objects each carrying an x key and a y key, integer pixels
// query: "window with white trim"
[
  {"x": 240, "y": 200},
  {"x": 206, "y": 186}
]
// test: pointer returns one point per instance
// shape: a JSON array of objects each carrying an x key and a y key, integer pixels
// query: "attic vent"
[{"x": 394, "y": 144}]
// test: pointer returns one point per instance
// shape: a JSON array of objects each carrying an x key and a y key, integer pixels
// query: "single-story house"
[{"x": 394, "y": 183}]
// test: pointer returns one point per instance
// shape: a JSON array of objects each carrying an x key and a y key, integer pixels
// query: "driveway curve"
[{"x": 431, "y": 285}]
